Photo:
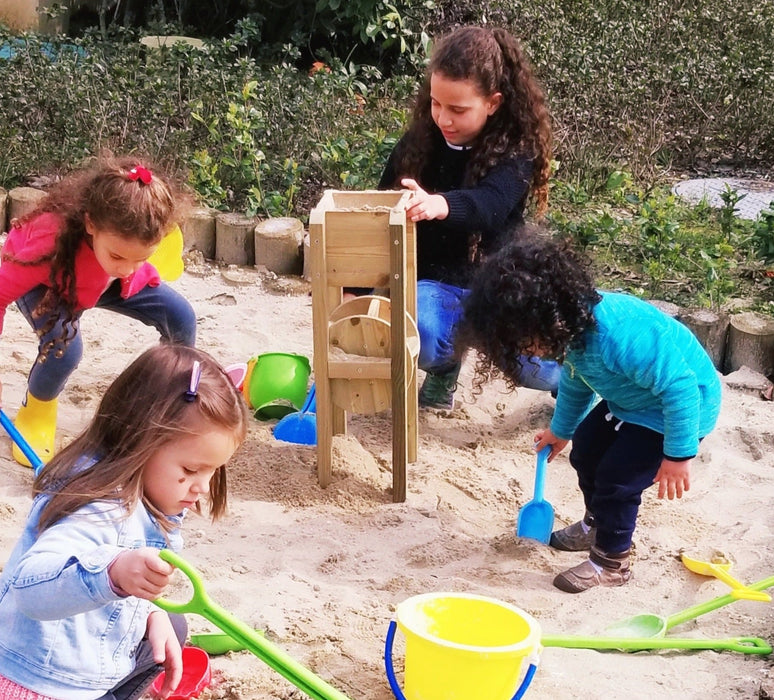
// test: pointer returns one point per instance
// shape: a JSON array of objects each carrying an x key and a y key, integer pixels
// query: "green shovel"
[
  {"x": 652, "y": 625},
  {"x": 201, "y": 604}
]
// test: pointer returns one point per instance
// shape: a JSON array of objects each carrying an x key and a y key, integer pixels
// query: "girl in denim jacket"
[{"x": 76, "y": 621}]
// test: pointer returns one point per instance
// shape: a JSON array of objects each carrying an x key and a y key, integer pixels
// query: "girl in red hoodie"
[{"x": 87, "y": 245}]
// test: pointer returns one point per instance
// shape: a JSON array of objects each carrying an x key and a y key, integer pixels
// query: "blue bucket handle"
[{"x": 398, "y": 693}]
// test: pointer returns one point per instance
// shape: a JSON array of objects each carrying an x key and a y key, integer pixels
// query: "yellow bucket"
[{"x": 463, "y": 647}]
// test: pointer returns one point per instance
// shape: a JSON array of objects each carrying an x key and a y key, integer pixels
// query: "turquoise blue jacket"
[
  {"x": 64, "y": 631},
  {"x": 649, "y": 368}
]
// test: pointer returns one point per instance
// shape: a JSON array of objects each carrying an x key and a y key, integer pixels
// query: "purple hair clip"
[{"x": 193, "y": 385}]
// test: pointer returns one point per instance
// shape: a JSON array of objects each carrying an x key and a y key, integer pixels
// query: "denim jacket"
[{"x": 64, "y": 632}]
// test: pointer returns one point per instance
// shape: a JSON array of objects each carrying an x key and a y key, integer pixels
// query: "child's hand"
[
  {"x": 140, "y": 572},
  {"x": 166, "y": 650},
  {"x": 423, "y": 205},
  {"x": 673, "y": 478},
  {"x": 546, "y": 437}
]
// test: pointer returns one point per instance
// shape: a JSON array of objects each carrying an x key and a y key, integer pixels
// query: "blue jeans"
[
  {"x": 161, "y": 307},
  {"x": 439, "y": 312}
]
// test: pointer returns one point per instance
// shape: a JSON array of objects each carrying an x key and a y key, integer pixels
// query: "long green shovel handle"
[
  {"x": 201, "y": 604},
  {"x": 744, "y": 645},
  {"x": 714, "y": 604}
]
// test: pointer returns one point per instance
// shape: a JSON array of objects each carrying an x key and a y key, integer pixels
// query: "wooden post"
[
  {"x": 278, "y": 245},
  {"x": 751, "y": 343},
  {"x": 307, "y": 256},
  {"x": 235, "y": 239},
  {"x": 22, "y": 200},
  {"x": 199, "y": 231},
  {"x": 400, "y": 385},
  {"x": 710, "y": 329}
]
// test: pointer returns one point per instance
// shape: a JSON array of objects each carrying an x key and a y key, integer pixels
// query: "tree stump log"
[
  {"x": 3, "y": 210},
  {"x": 235, "y": 239},
  {"x": 711, "y": 330},
  {"x": 666, "y": 307},
  {"x": 278, "y": 245},
  {"x": 199, "y": 231},
  {"x": 750, "y": 343},
  {"x": 22, "y": 200}
]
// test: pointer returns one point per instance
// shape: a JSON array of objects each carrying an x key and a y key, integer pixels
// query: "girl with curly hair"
[
  {"x": 87, "y": 245},
  {"x": 478, "y": 146},
  {"x": 637, "y": 391}
]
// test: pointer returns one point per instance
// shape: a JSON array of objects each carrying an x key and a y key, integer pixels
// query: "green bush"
[
  {"x": 647, "y": 84},
  {"x": 244, "y": 135},
  {"x": 635, "y": 88}
]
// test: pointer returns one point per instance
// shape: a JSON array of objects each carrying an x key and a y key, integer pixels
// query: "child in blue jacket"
[{"x": 637, "y": 391}]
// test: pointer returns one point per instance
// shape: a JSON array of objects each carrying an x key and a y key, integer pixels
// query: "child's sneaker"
[
  {"x": 600, "y": 569},
  {"x": 578, "y": 537}
]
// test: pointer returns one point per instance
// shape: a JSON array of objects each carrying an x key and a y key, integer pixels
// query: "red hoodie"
[{"x": 37, "y": 237}]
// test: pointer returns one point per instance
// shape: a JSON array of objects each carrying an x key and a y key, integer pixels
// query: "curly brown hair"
[
  {"x": 493, "y": 60},
  {"x": 535, "y": 296},
  {"x": 114, "y": 201}
]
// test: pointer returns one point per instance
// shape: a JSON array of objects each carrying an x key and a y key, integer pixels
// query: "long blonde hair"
[{"x": 144, "y": 409}]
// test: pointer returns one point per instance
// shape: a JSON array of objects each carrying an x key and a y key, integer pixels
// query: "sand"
[{"x": 321, "y": 571}]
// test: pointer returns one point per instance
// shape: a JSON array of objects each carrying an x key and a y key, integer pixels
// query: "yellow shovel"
[
  {"x": 719, "y": 567},
  {"x": 168, "y": 256}
]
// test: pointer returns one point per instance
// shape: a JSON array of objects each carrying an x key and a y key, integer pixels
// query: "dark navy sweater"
[{"x": 490, "y": 209}]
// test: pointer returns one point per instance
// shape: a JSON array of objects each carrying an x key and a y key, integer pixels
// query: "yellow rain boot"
[{"x": 36, "y": 421}]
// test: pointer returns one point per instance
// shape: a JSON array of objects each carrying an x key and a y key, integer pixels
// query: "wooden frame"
[{"x": 363, "y": 239}]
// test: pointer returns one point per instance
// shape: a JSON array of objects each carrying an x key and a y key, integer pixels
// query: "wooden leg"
[
  {"x": 412, "y": 410},
  {"x": 324, "y": 430},
  {"x": 339, "y": 422}
]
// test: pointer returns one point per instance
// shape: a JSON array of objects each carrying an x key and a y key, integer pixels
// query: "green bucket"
[{"x": 278, "y": 384}]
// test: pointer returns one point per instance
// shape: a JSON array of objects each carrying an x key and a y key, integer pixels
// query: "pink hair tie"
[{"x": 142, "y": 174}]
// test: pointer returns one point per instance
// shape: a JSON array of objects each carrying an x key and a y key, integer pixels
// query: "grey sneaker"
[
  {"x": 573, "y": 538},
  {"x": 438, "y": 389},
  {"x": 616, "y": 571}
]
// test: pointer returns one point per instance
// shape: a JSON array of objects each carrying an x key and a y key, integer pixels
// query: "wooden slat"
[
  {"x": 399, "y": 379},
  {"x": 354, "y": 367}
]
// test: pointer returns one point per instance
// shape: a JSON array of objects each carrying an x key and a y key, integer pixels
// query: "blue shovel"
[
  {"x": 536, "y": 518},
  {"x": 21, "y": 443},
  {"x": 300, "y": 427}
]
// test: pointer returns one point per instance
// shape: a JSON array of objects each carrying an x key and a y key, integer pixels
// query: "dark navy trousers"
[{"x": 615, "y": 462}]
